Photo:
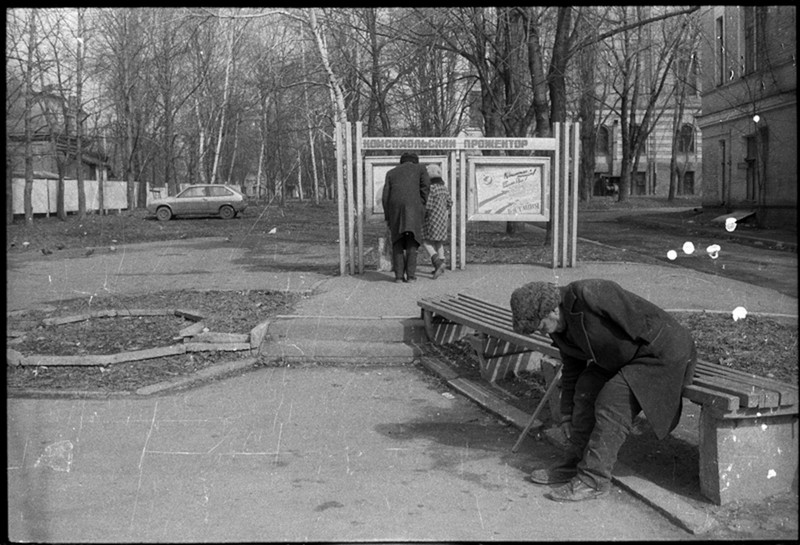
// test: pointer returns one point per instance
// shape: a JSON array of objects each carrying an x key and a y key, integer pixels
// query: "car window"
[
  {"x": 219, "y": 191},
  {"x": 194, "y": 192}
]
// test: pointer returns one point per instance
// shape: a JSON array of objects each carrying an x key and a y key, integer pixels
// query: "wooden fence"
[{"x": 44, "y": 195}]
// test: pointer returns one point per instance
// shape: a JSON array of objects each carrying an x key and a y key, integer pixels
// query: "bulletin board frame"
[
  {"x": 375, "y": 169},
  {"x": 508, "y": 188}
]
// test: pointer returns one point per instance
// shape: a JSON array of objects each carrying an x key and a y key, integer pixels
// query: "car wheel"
[
  {"x": 164, "y": 213},
  {"x": 227, "y": 212}
]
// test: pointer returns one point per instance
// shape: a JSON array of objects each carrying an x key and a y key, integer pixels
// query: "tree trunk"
[
  {"x": 101, "y": 181},
  {"x": 9, "y": 191},
  {"x": 201, "y": 144},
  {"x": 28, "y": 192},
  {"x": 333, "y": 80},
  {"x": 129, "y": 176},
  {"x": 558, "y": 66},
  {"x": 539, "y": 84},
  {"x": 235, "y": 149},
  {"x": 587, "y": 113},
  {"x": 314, "y": 165},
  {"x": 79, "y": 121},
  {"x": 224, "y": 109},
  {"x": 299, "y": 177},
  {"x": 61, "y": 209},
  {"x": 260, "y": 169}
]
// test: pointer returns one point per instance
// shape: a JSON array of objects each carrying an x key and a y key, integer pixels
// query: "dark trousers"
[
  {"x": 404, "y": 256},
  {"x": 602, "y": 418}
]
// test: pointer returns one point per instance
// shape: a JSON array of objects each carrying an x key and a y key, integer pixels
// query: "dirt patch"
[{"x": 223, "y": 312}]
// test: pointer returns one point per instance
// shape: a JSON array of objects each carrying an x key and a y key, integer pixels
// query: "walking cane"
[{"x": 547, "y": 394}]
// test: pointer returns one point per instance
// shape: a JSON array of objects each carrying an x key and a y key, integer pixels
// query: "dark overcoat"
[
  {"x": 624, "y": 333},
  {"x": 404, "y": 196}
]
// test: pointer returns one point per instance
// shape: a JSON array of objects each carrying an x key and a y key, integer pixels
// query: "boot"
[
  {"x": 411, "y": 264},
  {"x": 438, "y": 266},
  {"x": 398, "y": 263},
  {"x": 561, "y": 472}
]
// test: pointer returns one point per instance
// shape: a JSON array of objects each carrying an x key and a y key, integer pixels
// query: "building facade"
[
  {"x": 749, "y": 105},
  {"x": 53, "y": 141}
]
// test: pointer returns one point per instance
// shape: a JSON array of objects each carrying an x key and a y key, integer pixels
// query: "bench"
[{"x": 748, "y": 425}]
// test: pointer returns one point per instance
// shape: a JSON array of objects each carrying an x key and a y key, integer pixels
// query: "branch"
[{"x": 643, "y": 22}]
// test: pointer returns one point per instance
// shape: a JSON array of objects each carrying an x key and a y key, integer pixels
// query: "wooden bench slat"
[
  {"x": 788, "y": 392},
  {"x": 770, "y": 396},
  {"x": 711, "y": 398},
  {"x": 498, "y": 331},
  {"x": 482, "y": 310},
  {"x": 482, "y": 306},
  {"x": 748, "y": 399},
  {"x": 477, "y": 312}
]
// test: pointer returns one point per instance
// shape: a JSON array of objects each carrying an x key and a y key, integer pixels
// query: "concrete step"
[
  {"x": 402, "y": 330},
  {"x": 314, "y": 339},
  {"x": 331, "y": 351}
]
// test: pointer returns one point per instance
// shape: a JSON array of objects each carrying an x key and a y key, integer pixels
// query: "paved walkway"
[{"x": 325, "y": 453}]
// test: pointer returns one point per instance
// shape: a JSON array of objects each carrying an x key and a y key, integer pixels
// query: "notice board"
[
  {"x": 375, "y": 169},
  {"x": 508, "y": 188}
]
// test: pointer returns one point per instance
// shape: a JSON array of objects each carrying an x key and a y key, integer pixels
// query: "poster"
[
  {"x": 376, "y": 169},
  {"x": 509, "y": 188}
]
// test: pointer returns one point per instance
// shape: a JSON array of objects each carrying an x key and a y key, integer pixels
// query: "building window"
[
  {"x": 601, "y": 143},
  {"x": 753, "y": 22},
  {"x": 720, "y": 51},
  {"x": 686, "y": 139}
]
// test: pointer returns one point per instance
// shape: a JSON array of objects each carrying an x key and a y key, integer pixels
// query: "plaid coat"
[{"x": 437, "y": 211}]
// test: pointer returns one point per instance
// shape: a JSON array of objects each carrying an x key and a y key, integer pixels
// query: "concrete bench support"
[{"x": 748, "y": 458}]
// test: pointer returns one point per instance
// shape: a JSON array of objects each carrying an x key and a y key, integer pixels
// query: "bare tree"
[
  {"x": 172, "y": 36},
  {"x": 121, "y": 41},
  {"x": 78, "y": 113},
  {"x": 643, "y": 65},
  {"x": 31, "y": 45},
  {"x": 683, "y": 70},
  {"x": 21, "y": 41}
]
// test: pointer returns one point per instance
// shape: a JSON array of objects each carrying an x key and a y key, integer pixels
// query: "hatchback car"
[{"x": 200, "y": 200}]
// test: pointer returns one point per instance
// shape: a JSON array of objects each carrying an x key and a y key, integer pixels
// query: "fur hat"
[
  {"x": 409, "y": 157},
  {"x": 434, "y": 171},
  {"x": 531, "y": 303}
]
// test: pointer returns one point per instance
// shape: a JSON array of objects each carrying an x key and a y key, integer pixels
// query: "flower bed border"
[{"x": 195, "y": 338}]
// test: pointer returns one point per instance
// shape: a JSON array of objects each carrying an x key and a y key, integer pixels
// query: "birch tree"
[{"x": 29, "y": 100}]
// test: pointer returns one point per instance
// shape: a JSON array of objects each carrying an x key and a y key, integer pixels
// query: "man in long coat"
[
  {"x": 621, "y": 354},
  {"x": 404, "y": 196}
]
